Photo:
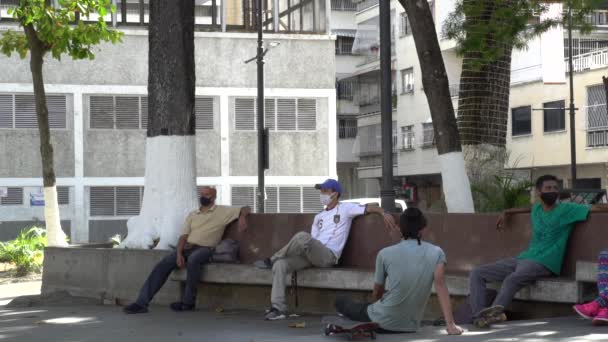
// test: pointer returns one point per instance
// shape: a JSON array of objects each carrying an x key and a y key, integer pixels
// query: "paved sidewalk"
[
  {"x": 10, "y": 291},
  {"x": 108, "y": 323}
]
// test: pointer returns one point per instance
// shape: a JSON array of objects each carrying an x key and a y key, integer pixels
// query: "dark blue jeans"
[{"x": 195, "y": 258}]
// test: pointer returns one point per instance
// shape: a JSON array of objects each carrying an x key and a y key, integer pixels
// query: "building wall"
[
  {"x": 532, "y": 150},
  {"x": 302, "y": 66}
]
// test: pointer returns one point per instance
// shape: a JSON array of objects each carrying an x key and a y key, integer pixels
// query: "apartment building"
[{"x": 98, "y": 117}]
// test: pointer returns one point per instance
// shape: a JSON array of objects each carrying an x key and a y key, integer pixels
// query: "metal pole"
[
  {"x": 387, "y": 194},
  {"x": 572, "y": 124},
  {"x": 260, "y": 109}
]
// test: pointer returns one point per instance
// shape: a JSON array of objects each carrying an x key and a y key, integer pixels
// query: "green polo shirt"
[{"x": 550, "y": 232}]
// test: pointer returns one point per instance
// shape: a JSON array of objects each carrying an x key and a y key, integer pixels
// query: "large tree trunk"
[
  {"x": 170, "y": 179},
  {"x": 456, "y": 187},
  {"x": 55, "y": 235},
  {"x": 483, "y": 103}
]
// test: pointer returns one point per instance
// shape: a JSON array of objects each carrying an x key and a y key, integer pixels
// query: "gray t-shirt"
[{"x": 408, "y": 269}]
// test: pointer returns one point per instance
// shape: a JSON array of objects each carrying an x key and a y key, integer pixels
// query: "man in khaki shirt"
[{"x": 202, "y": 231}]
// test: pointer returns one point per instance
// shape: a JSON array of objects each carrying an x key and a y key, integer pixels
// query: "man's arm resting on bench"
[
  {"x": 444, "y": 300},
  {"x": 181, "y": 262}
]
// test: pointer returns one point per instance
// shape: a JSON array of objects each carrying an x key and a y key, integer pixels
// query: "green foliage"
[
  {"x": 116, "y": 240},
  {"x": 487, "y": 26},
  {"x": 57, "y": 30},
  {"x": 26, "y": 251},
  {"x": 498, "y": 193}
]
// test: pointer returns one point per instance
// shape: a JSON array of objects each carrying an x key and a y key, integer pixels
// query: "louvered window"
[
  {"x": 283, "y": 199},
  {"x": 115, "y": 201},
  {"x": 118, "y": 112},
  {"x": 279, "y": 114},
  {"x": 14, "y": 196},
  {"x": 19, "y": 111},
  {"x": 6, "y": 111},
  {"x": 63, "y": 195},
  {"x": 244, "y": 114},
  {"x": 203, "y": 108}
]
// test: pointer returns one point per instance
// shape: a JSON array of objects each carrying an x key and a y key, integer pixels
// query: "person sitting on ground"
[
  {"x": 321, "y": 247},
  {"x": 552, "y": 223},
  {"x": 597, "y": 309},
  {"x": 403, "y": 278},
  {"x": 202, "y": 231}
]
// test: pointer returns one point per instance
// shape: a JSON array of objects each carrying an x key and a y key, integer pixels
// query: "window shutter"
[
  {"x": 271, "y": 205},
  {"x": 101, "y": 112},
  {"x": 203, "y": 107},
  {"x": 243, "y": 196},
  {"x": 25, "y": 112},
  {"x": 290, "y": 200},
  {"x": 127, "y": 112},
  {"x": 270, "y": 114},
  {"x": 6, "y": 111},
  {"x": 63, "y": 195},
  {"x": 244, "y": 114},
  {"x": 286, "y": 114},
  {"x": 307, "y": 114},
  {"x": 56, "y": 105},
  {"x": 144, "y": 112},
  {"x": 101, "y": 202},
  {"x": 311, "y": 200},
  {"x": 14, "y": 196},
  {"x": 128, "y": 200}
]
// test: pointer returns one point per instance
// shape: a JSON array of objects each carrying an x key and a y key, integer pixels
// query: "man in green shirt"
[{"x": 552, "y": 223}]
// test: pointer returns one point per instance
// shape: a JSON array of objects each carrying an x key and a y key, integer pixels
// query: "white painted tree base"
[
  {"x": 456, "y": 186},
  {"x": 55, "y": 236},
  {"x": 169, "y": 192}
]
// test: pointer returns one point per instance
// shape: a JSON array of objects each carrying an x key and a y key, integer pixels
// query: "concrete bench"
[
  {"x": 555, "y": 290},
  {"x": 586, "y": 271}
]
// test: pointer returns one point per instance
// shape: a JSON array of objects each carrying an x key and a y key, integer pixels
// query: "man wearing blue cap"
[{"x": 321, "y": 247}]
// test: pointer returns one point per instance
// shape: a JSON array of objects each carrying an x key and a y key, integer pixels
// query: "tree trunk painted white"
[
  {"x": 169, "y": 192},
  {"x": 456, "y": 186},
  {"x": 54, "y": 234}
]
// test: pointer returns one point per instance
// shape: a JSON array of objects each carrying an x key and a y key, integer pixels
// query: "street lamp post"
[
  {"x": 387, "y": 193},
  {"x": 572, "y": 108}
]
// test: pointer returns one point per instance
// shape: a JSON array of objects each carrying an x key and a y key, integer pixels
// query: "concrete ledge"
[
  {"x": 586, "y": 271},
  {"x": 554, "y": 290}
]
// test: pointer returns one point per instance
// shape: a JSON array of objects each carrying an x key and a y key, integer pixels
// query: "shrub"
[{"x": 26, "y": 252}]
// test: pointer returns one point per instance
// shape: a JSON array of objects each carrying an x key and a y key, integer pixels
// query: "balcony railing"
[
  {"x": 343, "y": 5},
  {"x": 598, "y": 18},
  {"x": 365, "y": 4},
  {"x": 589, "y": 61},
  {"x": 240, "y": 15}
]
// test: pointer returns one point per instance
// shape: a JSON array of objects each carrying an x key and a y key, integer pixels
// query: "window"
[
  {"x": 131, "y": 112},
  {"x": 63, "y": 195},
  {"x": 407, "y": 80},
  {"x": 554, "y": 116},
  {"x": 115, "y": 201},
  {"x": 597, "y": 117},
  {"x": 347, "y": 128},
  {"x": 521, "y": 120},
  {"x": 428, "y": 135},
  {"x": 407, "y": 138},
  {"x": 282, "y": 114},
  {"x": 346, "y": 89},
  {"x": 19, "y": 111},
  {"x": 283, "y": 199},
  {"x": 14, "y": 196},
  {"x": 404, "y": 25},
  {"x": 344, "y": 45}
]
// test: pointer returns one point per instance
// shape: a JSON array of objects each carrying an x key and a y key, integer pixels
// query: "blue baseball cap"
[{"x": 331, "y": 184}]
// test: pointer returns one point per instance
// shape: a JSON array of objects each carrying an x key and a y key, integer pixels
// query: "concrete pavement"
[{"x": 107, "y": 323}]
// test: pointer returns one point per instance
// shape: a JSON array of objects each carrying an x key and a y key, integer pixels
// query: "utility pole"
[
  {"x": 572, "y": 108},
  {"x": 387, "y": 194},
  {"x": 260, "y": 110}
]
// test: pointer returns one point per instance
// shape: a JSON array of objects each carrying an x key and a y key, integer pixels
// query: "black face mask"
[
  {"x": 549, "y": 197},
  {"x": 205, "y": 201}
]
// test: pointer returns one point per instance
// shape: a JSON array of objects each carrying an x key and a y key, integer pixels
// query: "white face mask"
[{"x": 326, "y": 199}]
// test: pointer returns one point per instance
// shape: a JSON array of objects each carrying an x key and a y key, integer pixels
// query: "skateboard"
[
  {"x": 488, "y": 316},
  {"x": 335, "y": 325}
]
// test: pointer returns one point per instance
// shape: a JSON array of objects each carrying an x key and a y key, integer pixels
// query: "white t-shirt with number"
[{"x": 331, "y": 227}]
